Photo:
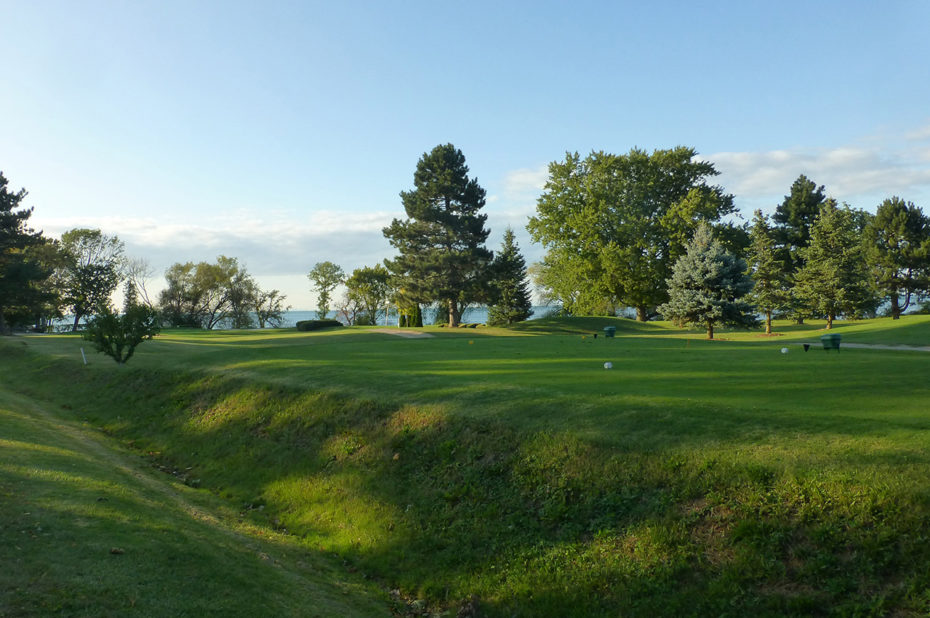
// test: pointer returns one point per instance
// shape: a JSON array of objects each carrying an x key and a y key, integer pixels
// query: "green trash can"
[
  {"x": 831, "y": 341},
  {"x": 609, "y": 331}
]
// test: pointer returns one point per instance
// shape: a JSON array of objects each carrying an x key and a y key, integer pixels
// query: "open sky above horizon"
[{"x": 281, "y": 133}]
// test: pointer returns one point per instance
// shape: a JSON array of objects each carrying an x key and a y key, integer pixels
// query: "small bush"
[
  {"x": 305, "y": 325},
  {"x": 117, "y": 336}
]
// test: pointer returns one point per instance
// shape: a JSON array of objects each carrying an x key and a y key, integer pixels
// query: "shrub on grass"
[
  {"x": 118, "y": 335},
  {"x": 305, "y": 325}
]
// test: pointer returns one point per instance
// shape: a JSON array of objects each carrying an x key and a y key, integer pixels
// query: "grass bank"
[
  {"x": 506, "y": 470},
  {"x": 87, "y": 529}
]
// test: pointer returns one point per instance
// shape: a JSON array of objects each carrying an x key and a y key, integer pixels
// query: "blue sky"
[{"x": 281, "y": 133}]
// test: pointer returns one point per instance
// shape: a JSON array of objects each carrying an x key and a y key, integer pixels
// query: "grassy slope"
[
  {"x": 86, "y": 530},
  {"x": 696, "y": 476}
]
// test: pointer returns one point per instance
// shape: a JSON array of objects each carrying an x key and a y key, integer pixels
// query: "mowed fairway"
[{"x": 505, "y": 471}]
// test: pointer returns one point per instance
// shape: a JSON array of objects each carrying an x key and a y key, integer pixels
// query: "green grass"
[
  {"x": 88, "y": 530},
  {"x": 506, "y": 468}
]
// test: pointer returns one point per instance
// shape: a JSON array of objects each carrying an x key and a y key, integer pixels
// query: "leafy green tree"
[
  {"x": 270, "y": 308},
  {"x": 613, "y": 225},
  {"x": 92, "y": 270},
  {"x": 770, "y": 292},
  {"x": 205, "y": 295},
  {"x": 708, "y": 285},
  {"x": 21, "y": 273},
  {"x": 118, "y": 336},
  {"x": 897, "y": 249},
  {"x": 510, "y": 289},
  {"x": 241, "y": 294},
  {"x": 834, "y": 279},
  {"x": 442, "y": 257},
  {"x": 369, "y": 288},
  {"x": 326, "y": 276}
]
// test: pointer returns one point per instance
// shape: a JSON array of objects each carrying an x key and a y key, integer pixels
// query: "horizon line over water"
[{"x": 471, "y": 315}]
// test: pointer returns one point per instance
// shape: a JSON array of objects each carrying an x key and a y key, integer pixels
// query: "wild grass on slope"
[
  {"x": 87, "y": 531},
  {"x": 695, "y": 478}
]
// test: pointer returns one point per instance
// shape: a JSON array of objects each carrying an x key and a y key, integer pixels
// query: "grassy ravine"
[
  {"x": 88, "y": 530},
  {"x": 507, "y": 473}
]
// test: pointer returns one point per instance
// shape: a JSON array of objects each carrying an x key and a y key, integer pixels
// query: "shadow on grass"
[{"x": 678, "y": 513}]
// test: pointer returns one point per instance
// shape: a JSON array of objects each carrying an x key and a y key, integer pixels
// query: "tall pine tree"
[
  {"x": 707, "y": 286},
  {"x": 510, "y": 289},
  {"x": 770, "y": 292},
  {"x": 442, "y": 257}
]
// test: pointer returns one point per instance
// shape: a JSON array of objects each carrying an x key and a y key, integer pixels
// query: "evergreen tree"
[
  {"x": 442, "y": 257},
  {"x": 20, "y": 272},
  {"x": 897, "y": 249},
  {"x": 770, "y": 292},
  {"x": 707, "y": 286},
  {"x": 510, "y": 289},
  {"x": 834, "y": 279},
  {"x": 794, "y": 217}
]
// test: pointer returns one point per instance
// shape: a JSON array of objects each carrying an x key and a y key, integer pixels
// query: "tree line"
[
  {"x": 648, "y": 231},
  {"x": 43, "y": 279}
]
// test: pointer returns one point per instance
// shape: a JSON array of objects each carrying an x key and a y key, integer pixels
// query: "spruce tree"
[
  {"x": 767, "y": 270},
  {"x": 442, "y": 257},
  {"x": 707, "y": 286},
  {"x": 510, "y": 289},
  {"x": 834, "y": 279},
  {"x": 897, "y": 249}
]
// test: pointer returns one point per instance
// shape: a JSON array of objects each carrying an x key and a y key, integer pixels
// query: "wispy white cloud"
[
  {"x": 852, "y": 173},
  {"x": 919, "y": 135},
  {"x": 276, "y": 245}
]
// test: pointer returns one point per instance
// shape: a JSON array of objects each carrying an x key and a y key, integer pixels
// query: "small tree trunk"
[
  {"x": 768, "y": 322},
  {"x": 2, "y": 323},
  {"x": 895, "y": 307},
  {"x": 77, "y": 318},
  {"x": 830, "y": 318},
  {"x": 641, "y": 314},
  {"x": 454, "y": 315},
  {"x": 710, "y": 330}
]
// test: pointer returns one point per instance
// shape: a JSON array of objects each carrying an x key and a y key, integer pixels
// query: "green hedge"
[{"x": 317, "y": 324}]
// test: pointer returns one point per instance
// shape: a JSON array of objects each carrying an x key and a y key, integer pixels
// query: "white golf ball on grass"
[
  {"x": 784, "y": 350},
  {"x": 608, "y": 365}
]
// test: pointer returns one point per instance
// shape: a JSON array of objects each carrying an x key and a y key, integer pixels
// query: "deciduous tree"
[
  {"x": 613, "y": 225},
  {"x": 118, "y": 336},
  {"x": 442, "y": 257},
  {"x": 369, "y": 288},
  {"x": 325, "y": 276},
  {"x": 708, "y": 286},
  {"x": 92, "y": 270}
]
